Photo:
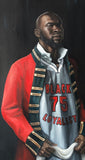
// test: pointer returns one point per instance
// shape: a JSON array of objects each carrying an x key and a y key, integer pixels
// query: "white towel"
[{"x": 61, "y": 153}]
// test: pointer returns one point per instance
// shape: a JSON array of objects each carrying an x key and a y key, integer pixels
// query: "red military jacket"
[{"x": 15, "y": 105}]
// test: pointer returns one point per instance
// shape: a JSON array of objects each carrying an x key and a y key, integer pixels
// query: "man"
[{"x": 40, "y": 101}]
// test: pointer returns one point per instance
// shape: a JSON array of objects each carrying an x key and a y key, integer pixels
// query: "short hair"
[{"x": 48, "y": 13}]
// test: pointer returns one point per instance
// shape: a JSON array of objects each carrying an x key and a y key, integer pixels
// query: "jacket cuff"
[
  {"x": 82, "y": 128},
  {"x": 34, "y": 142}
]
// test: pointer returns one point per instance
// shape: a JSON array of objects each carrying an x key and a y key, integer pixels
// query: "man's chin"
[
  {"x": 57, "y": 41},
  {"x": 53, "y": 43},
  {"x": 56, "y": 44}
]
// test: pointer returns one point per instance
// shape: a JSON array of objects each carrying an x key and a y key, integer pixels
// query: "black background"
[{"x": 17, "y": 22}]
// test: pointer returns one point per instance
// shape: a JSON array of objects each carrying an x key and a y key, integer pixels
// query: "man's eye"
[
  {"x": 58, "y": 25},
  {"x": 50, "y": 25}
]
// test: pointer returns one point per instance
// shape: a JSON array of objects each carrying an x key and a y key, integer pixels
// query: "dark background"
[{"x": 17, "y": 22}]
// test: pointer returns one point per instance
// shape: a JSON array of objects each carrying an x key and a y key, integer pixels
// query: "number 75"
[{"x": 63, "y": 102}]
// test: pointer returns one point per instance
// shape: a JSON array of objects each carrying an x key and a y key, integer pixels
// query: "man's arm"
[
  {"x": 11, "y": 108},
  {"x": 81, "y": 138},
  {"x": 12, "y": 112}
]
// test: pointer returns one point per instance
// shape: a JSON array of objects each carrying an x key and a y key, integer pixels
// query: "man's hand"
[
  {"x": 81, "y": 144},
  {"x": 46, "y": 150}
]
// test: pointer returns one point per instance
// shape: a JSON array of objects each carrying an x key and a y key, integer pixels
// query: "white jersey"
[{"x": 58, "y": 116}]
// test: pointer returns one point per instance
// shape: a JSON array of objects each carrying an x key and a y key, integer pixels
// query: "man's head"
[{"x": 49, "y": 29}]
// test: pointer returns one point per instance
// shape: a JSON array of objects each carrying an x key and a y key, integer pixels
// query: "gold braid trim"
[
  {"x": 31, "y": 149},
  {"x": 40, "y": 69},
  {"x": 78, "y": 101},
  {"x": 71, "y": 66},
  {"x": 81, "y": 127},
  {"x": 73, "y": 84},
  {"x": 37, "y": 88},
  {"x": 39, "y": 75},
  {"x": 35, "y": 94},
  {"x": 37, "y": 128},
  {"x": 33, "y": 141},
  {"x": 33, "y": 111},
  {"x": 41, "y": 138},
  {"x": 72, "y": 72},
  {"x": 35, "y": 123},
  {"x": 74, "y": 90},
  {"x": 36, "y": 55},
  {"x": 33, "y": 105}
]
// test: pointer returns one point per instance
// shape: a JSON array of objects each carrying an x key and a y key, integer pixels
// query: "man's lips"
[{"x": 57, "y": 35}]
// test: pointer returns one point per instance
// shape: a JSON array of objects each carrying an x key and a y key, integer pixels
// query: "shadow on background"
[{"x": 17, "y": 22}]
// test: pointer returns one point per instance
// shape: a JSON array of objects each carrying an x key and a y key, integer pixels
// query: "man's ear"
[{"x": 37, "y": 32}]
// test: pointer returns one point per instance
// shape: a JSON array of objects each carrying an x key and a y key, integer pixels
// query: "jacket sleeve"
[
  {"x": 12, "y": 111},
  {"x": 82, "y": 119},
  {"x": 82, "y": 107}
]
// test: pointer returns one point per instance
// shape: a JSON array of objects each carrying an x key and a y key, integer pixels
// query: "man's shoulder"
[
  {"x": 27, "y": 60},
  {"x": 23, "y": 60},
  {"x": 23, "y": 64},
  {"x": 73, "y": 62}
]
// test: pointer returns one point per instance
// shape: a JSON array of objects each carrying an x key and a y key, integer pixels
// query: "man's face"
[{"x": 51, "y": 31}]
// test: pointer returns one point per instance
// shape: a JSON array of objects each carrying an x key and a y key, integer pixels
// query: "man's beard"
[{"x": 50, "y": 42}]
